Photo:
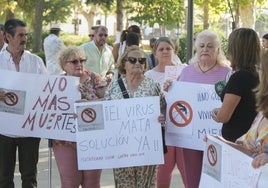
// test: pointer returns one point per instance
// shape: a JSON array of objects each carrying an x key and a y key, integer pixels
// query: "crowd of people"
[{"x": 126, "y": 71}]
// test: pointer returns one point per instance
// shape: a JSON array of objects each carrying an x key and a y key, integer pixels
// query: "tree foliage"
[
  {"x": 54, "y": 10},
  {"x": 169, "y": 13},
  {"x": 106, "y": 3},
  {"x": 57, "y": 10}
]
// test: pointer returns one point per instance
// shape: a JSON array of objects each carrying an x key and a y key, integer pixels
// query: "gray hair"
[{"x": 221, "y": 58}]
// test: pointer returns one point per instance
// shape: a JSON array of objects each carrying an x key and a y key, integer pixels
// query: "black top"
[{"x": 241, "y": 83}]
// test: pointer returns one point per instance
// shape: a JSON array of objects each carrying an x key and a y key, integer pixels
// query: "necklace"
[{"x": 210, "y": 68}]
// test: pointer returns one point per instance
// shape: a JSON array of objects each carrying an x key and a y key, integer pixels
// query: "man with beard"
[
  {"x": 16, "y": 58},
  {"x": 99, "y": 57}
]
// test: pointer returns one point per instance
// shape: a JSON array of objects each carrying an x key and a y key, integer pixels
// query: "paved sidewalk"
[{"x": 107, "y": 180}]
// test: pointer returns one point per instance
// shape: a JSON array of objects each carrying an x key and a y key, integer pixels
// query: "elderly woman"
[
  {"x": 164, "y": 53},
  {"x": 72, "y": 61},
  {"x": 132, "y": 66},
  {"x": 208, "y": 66}
]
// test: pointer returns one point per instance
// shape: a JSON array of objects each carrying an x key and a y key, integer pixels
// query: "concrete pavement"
[{"x": 107, "y": 180}]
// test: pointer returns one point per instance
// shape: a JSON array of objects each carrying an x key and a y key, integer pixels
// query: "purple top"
[{"x": 190, "y": 74}]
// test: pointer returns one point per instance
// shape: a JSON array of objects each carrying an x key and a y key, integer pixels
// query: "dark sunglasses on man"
[{"x": 102, "y": 34}]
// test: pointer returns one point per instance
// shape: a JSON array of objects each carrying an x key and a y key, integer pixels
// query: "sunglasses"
[
  {"x": 133, "y": 60},
  {"x": 91, "y": 35},
  {"x": 101, "y": 35},
  {"x": 76, "y": 61}
]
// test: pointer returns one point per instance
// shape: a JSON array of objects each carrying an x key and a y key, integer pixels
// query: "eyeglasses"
[
  {"x": 102, "y": 34},
  {"x": 76, "y": 61},
  {"x": 133, "y": 60}
]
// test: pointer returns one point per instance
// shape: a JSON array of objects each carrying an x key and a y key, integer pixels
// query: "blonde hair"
[{"x": 68, "y": 53}]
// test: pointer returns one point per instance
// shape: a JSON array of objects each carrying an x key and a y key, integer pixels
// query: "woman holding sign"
[
  {"x": 208, "y": 66},
  {"x": 72, "y": 61},
  {"x": 255, "y": 141},
  {"x": 238, "y": 108},
  {"x": 164, "y": 53},
  {"x": 132, "y": 65}
]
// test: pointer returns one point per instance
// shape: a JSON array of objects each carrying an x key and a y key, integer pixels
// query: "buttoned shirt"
[
  {"x": 29, "y": 63},
  {"x": 4, "y": 47},
  {"x": 52, "y": 46},
  {"x": 100, "y": 62}
]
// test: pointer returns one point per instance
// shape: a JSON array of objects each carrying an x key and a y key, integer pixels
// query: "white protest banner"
[
  {"x": 172, "y": 72},
  {"x": 189, "y": 107},
  {"x": 119, "y": 133},
  {"x": 38, "y": 105},
  {"x": 227, "y": 167}
]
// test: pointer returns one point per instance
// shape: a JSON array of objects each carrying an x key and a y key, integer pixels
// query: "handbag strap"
[{"x": 123, "y": 88}]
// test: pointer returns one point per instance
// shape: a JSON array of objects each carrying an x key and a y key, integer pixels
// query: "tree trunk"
[
  {"x": 206, "y": 15},
  {"x": 119, "y": 15},
  {"x": 37, "y": 33},
  {"x": 247, "y": 15},
  {"x": 9, "y": 14},
  {"x": 89, "y": 16},
  {"x": 237, "y": 14}
]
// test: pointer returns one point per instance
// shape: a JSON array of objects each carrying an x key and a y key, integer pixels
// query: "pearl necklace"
[{"x": 204, "y": 71}]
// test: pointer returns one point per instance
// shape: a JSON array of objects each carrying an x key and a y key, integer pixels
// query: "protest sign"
[
  {"x": 227, "y": 167},
  {"x": 38, "y": 105},
  {"x": 189, "y": 107},
  {"x": 119, "y": 133},
  {"x": 172, "y": 72}
]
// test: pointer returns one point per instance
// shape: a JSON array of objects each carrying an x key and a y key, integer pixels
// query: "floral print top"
[
  {"x": 256, "y": 139},
  {"x": 88, "y": 88},
  {"x": 88, "y": 92},
  {"x": 147, "y": 87}
]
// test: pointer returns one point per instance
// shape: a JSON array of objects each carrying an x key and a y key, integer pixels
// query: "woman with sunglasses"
[
  {"x": 132, "y": 65},
  {"x": 72, "y": 61}
]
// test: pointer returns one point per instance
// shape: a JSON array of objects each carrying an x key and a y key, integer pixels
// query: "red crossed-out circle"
[
  {"x": 11, "y": 99},
  {"x": 183, "y": 110},
  {"x": 212, "y": 155},
  {"x": 88, "y": 115}
]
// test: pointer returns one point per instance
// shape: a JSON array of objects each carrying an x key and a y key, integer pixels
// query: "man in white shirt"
[
  {"x": 3, "y": 45},
  {"x": 99, "y": 57},
  {"x": 52, "y": 46},
  {"x": 16, "y": 58}
]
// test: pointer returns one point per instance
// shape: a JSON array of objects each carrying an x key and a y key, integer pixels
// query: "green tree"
[
  {"x": 211, "y": 11},
  {"x": 37, "y": 32},
  {"x": 168, "y": 14},
  {"x": 105, "y": 5},
  {"x": 238, "y": 9},
  {"x": 57, "y": 10}
]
